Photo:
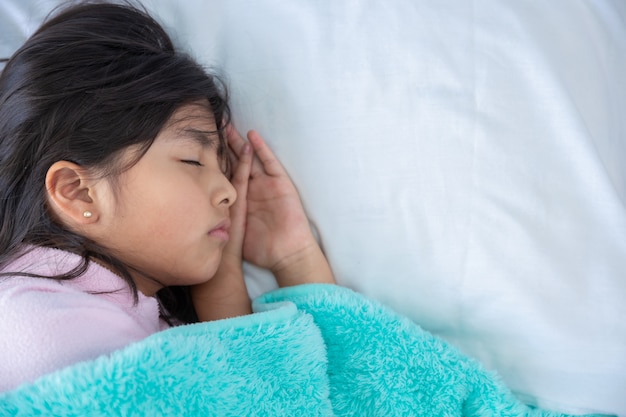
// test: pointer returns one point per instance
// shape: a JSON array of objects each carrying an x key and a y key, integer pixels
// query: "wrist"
[{"x": 306, "y": 266}]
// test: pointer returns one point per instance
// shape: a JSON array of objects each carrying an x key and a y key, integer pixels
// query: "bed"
[{"x": 462, "y": 162}]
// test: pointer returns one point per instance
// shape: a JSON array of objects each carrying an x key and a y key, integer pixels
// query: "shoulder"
[
  {"x": 36, "y": 300},
  {"x": 47, "y": 325}
]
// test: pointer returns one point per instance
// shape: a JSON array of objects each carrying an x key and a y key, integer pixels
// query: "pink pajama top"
[{"x": 46, "y": 325}]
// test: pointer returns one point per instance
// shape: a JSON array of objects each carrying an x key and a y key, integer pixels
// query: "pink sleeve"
[{"x": 46, "y": 326}]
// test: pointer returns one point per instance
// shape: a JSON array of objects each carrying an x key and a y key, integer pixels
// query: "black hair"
[{"x": 93, "y": 80}]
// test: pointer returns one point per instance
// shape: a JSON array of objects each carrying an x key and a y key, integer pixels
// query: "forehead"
[
  {"x": 194, "y": 122},
  {"x": 195, "y": 114}
]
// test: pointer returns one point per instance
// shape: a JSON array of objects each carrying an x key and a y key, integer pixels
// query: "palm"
[{"x": 276, "y": 223}]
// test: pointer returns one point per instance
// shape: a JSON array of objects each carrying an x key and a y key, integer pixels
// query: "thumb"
[{"x": 238, "y": 209}]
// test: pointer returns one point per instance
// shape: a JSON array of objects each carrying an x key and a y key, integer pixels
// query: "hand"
[
  {"x": 278, "y": 236},
  {"x": 225, "y": 294}
]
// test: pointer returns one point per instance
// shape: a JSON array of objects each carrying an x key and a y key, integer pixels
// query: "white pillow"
[{"x": 463, "y": 162}]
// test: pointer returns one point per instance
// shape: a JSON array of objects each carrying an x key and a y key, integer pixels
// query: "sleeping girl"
[{"x": 128, "y": 200}]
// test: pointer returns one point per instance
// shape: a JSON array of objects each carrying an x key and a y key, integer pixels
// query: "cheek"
[
  {"x": 171, "y": 211},
  {"x": 161, "y": 206}
]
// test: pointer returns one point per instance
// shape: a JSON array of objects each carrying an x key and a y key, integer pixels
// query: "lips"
[{"x": 221, "y": 231}]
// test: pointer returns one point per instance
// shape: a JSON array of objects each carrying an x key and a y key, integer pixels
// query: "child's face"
[{"x": 170, "y": 219}]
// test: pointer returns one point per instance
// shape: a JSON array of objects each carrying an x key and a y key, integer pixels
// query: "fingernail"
[{"x": 246, "y": 148}]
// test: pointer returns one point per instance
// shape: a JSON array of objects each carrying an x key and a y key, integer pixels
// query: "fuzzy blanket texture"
[{"x": 311, "y": 350}]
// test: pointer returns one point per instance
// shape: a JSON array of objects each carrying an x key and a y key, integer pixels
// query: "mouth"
[{"x": 221, "y": 230}]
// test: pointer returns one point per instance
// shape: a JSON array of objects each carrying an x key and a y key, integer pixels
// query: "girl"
[{"x": 117, "y": 215}]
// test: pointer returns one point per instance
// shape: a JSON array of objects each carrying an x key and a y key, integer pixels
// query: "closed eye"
[{"x": 191, "y": 162}]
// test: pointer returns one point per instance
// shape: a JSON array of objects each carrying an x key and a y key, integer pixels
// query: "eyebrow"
[{"x": 207, "y": 139}]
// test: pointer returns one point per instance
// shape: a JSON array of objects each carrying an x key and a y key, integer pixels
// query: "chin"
[
  {"x": 209, "y": 271},
  {"x": 205, "y": 270}
]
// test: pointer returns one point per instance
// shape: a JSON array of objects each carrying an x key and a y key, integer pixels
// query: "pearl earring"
[{"x": 87, "y": 214}]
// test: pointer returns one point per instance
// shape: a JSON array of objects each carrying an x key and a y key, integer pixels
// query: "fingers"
[
  {"x": 243, "y": 165},
  {"x": 268, "y": 160},
  {"x": 265, "y": 161},
  {"x": 234, "y": 139},
  {"x": 236, "y": 142}
]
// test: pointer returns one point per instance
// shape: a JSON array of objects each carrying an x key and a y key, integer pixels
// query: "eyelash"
[
  {"x": 190, "y": 162},
  {"x": 224, "y": 166}
]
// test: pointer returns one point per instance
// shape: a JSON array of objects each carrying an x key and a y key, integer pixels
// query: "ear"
[{"x": 70, "y": 194}]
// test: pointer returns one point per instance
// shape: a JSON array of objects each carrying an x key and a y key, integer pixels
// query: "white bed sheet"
[{"x": 462, "y": 161}]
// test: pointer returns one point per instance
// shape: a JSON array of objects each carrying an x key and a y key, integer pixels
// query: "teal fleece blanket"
[{"x": 311, "y": 350}]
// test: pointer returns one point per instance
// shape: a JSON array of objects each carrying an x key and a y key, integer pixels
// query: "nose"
[{"x": 224, "y": 193}]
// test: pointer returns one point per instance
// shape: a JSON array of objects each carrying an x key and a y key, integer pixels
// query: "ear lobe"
[{"x": 68, "y": 193}]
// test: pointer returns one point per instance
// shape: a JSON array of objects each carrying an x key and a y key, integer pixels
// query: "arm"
[{"x": 278, "y": 236}]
